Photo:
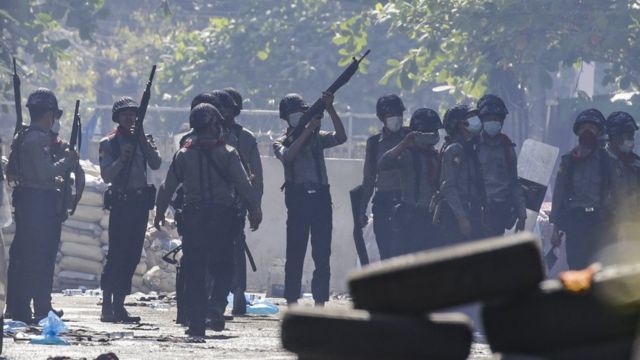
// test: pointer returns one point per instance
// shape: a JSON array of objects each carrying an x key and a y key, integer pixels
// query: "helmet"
[
  {"x": 44, "y": 99},
  {"x": 454, "y": 115},
  {"x": 491, "y": 104},
  {"x": 291, "y": 103},
  {"x": 620, "y": 122},
  {"x": 122, "y": 104},
  {"x": 202, "y": 115},
  {"x": 426, "y": 120},
  {"x": 593, "y": 116},
  {"x": 201, "y": 98},
  {"x": 389, "y": 104},
  {"x": 237, "y": 98},
  {"x": 222, "y": 99}
]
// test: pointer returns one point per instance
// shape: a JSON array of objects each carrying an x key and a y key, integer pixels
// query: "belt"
[{"x": 309, "y": 188}]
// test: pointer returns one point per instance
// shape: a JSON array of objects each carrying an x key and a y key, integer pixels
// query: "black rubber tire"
[
  {"x": 450, "y": 276},
  {"x": 356, "y": 334},
  {"x": 552, "y": 319}
]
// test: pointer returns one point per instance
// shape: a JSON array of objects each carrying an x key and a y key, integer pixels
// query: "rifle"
[
  {"x": 361, "y": 248},
  {"x": 318, "y": 107},
  {"x": 73, "y": 142},
  {"x": 142, "y": 112},
  {"x": 17, "y": 98}
]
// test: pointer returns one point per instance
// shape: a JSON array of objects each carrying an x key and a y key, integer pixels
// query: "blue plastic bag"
[
  {"x": 52, "y": 327},
  {"x": 262, "y": 307}
]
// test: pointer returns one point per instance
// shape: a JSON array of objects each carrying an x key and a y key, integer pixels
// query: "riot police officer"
[
  {"x": 625, "y": 176},
  {"x": 505, "y": 196},
  {"x": 229, "y": 103},
  {"x": 38, "y": 204},
  {"x": 123, "y": 164},
  {"x": 581, "y": 196},
  {"x": 307, "y": 194},
  {"x": 386, "y": 183},
  {"x": 459, "y": 207},
  {"x": 210, "y": 173},
  {"x": 418, "y": 161}
]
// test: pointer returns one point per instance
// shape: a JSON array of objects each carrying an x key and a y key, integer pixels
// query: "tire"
[
  {"x": 356, "y": 334},
  {"x": 552, "y": 320},
  {"x": 450, "y": 276}
]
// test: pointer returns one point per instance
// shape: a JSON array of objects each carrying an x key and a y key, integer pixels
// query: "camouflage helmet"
[
  {"x": 122, "y": 104},
  {"x": 454, "y": 116},
  {"x": 425, "y": 120},
  {"x": 389, "y": 104},
  {"x": 620, "y": 122},
  {"x": 491, "y": 104},
  {"x": 291, "y": 103},
  {"x": 237, "y": 98},
  {"x": 202, "y": 115},
  {"x": 222, "y": 99},
  {"x": 593, "y": 116},
  {"x": 44, "y": 99},
  {"x": 202, "y": 98}
]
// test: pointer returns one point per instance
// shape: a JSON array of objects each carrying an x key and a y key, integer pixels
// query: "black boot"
[
  {"x": 120, "y": 313},
  {"x": 216, "y": 320},
  {"x": 107, "y": 308},
  {"x": 239, "y": 303}
]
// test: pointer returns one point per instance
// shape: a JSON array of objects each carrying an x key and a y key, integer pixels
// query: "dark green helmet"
[
  {"x": 203, "y": 115},
  {"x": 620, "y": 122},
  {"x": 202, "y": 98},
  {"x": 124, "y": 103},
  {"x": 593, "y": 116},
  {"x": 389, "y": 104},
  {"x": 223, "y": 100},
  {"x": 454, "y": 116},
  {"x": 491, "y": 104},
  {"x": 425, "y": 120},
  {"x": 44, "y": 99},
  {"x": 290, "y": 104},
  {"x": 237, "y": 98}
]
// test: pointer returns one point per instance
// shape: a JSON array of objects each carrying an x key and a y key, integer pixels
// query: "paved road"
[{"x": 251, "y": 337}]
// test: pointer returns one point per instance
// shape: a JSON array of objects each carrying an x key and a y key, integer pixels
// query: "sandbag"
[
  {"x": 141, "y": 269},
  {"x": 76, "y": 275},
  {"x": 88, "y": 213},
  {"x": 104, "y": 221},
  {"x": 137, "y": 282},
  {"x": 158, "y": 280},
  {"x": 450, "y": 276},
  {"x": 81, "y": 265},
  {"x": 82, "y": 226},
  {"x": 104, "y": 237},
  {"x": 315, "y": 333},
  {"x": 553, "y": 319},
  {"x": 82, "y": 251},
  {"x": 91, "y": 198},
  {"x": 68, "y": 236}
]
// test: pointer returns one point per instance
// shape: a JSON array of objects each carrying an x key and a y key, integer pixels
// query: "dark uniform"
[
  {"x": 211, "y": 174},
  {"x": 625, "y": 177},
  {"x": 505, "y": 197},
  {"x": 38, "y": 211},
  {"x": 129, "y": 206},
  {"x": 308, "y": 201},
  {"x": 229, "y": 102},
  {"x": 418, "y": 162},
  {"x": 462, "y": 194},
  {"x": 387, "y": 182},
  {"x": 581, "y": 204}
]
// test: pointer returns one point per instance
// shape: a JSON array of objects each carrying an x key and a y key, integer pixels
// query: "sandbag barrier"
[{"x": 397, "y": 303}]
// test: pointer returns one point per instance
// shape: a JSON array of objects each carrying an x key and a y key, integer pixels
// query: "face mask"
[
  {"x": 425, "y": 140},
  {"x": 294, "y": 119},
  {"x": 475, "y": 125},
  {"x": 55, "y": 128},
  {"x": 588, "y": 139},
  {"x": 627, "y": 146},
  {"x": 492, "y": 128},
  {"x": 393, "y": 123}
]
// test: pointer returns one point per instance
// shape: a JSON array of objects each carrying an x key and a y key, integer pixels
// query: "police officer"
[
  {"x": 210, "y": 173},
  {"x": 418, "y": 161},
  {"x": 387, "y": 183},
  {"x": 307, "y": 195},
  {"x": 129, "y": 199},
  {"x": 38, "y": 206},
  {"x": 229, "y": 103},
  {"x": 505, "y": 196},
  {"x": 581, "y": 202},
  {"x": 461, "y": 200},
  {"x": 625, "y": 177}
]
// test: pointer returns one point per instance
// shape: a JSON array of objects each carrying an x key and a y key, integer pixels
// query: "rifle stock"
[
  {"x": 17, "y": 98},
  {"x": 318, "y": 107}
]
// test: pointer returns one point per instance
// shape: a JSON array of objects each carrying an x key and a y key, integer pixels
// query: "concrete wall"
[{"x": 269, "y": 242}]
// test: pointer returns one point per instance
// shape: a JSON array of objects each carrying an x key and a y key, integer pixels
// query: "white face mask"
[
  {"x": 492, "y": 128},
  {"x": 393, "y": 123},
  {"x": 55, "y": 128},
  {"x": 294, "y": 119},
  {"x": 475, "y": 125},
  {"x": 627, "y": 146}
]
